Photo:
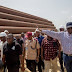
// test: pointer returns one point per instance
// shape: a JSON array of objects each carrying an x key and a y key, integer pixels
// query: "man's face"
[
  {"x": 37, "y": 33},
  {"x": 9, "y": 40},
  {"x": 30, "y": 37},
  {"x": 48, "y": 37},
  {"x": 22, "y": 35},
  {"x": 69, "y": 30},
  {"x": 17, "y": 37},
  {"x": 34, "y": 34},
  {"x": 2, "y": 38},
  {"x": 7, "y": 33},
  {"x": 61, "y": 29}
]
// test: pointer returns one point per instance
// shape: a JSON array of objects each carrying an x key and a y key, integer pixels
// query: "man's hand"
[
  {"x": 59, "y": 55},
  {"x": 22, "y": 63},
  {"x": 3, "y": 59},
  {"x": 22, "y": 69},
  {"x": 39, "y": 29},
  {"x": 42, "y": 58},
  {"x": 37, "y": 59}
]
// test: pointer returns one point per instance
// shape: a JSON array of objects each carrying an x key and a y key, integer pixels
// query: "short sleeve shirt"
[
  {"x": 12, "y": 52},
  {"x": 50, "y": 48},
  {"x": 20, "y": 41}
]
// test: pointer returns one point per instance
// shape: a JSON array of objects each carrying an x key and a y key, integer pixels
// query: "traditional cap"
[
  {"x": 3, "y": 34},
  {"x": 6, "y": 31},
  {"x": 62, "y": 26},
  {"x": 69, "y": 24},
  {"x": 28, "y": 34}
]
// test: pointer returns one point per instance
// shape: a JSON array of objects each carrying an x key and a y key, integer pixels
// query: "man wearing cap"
[
  {"x": 39, "y": 37},
  {"x": 3, "y": 41},
  {"x": 12, "y": 53},
  {"x": 66, "y": 42},
  {"x": 61, "y": 29},
  {"x": 31, "y": 56}
]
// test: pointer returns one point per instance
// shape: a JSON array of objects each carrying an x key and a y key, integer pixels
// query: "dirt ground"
[{"x": 27, "y": 70}]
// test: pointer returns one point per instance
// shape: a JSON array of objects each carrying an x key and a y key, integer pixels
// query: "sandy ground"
[{"x": 27, "y": 70}]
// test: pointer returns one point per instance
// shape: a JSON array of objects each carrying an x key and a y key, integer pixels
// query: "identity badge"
[{"x": 13, "y": 48}]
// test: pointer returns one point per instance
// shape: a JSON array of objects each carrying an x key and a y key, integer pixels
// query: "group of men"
[
  {"x": 65, "y": 39},
  {"x": 11, "y": 53},
  {"x": 40, "y": 51}
]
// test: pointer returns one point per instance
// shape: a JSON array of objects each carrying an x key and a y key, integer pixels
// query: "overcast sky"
[{"x": 57, "y": 11}]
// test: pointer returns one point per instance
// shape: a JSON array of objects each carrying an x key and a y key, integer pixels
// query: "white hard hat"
[{"x": 2, "y": 34}]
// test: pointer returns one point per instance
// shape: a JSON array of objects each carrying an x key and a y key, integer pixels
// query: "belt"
[{"x": 68, "y": 54}]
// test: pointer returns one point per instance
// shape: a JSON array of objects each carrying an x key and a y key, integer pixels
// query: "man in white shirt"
[
  {"x": 66, "y": 42},
  {"x": 3, "y": 41}
]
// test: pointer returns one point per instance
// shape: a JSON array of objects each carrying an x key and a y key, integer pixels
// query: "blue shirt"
[{"x": 40, "y": 38}]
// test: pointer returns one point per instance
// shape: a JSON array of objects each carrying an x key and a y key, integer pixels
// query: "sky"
[{"x": 57, "y": 11}]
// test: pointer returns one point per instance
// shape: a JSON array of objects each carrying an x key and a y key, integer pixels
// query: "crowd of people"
[{"x": 40, "y": 49}]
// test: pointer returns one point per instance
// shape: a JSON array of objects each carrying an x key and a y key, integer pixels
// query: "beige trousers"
[{"x": 52, "y": 64}]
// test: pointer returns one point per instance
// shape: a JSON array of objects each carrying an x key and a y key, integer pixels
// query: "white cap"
[
  {"x": 37, "y": 30},
  {"x": 2, "y": 34},
  {"x": 6, "y": 31},
  {"x": 62, "y": 26}
]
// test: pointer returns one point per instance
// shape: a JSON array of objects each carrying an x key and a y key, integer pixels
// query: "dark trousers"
[
  {"x": 13, "y": 68},
  {"x": 4, "y": 67},
  {"x": 40, "y": 65},
  {"x": 61, "y": 62},
  {"x": 31, "y": 65}
]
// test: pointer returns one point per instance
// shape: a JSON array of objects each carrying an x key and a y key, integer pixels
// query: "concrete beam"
[
  {"x": 24, "y": 19},
  {"x": 18, "y": 30},
  {"x": 18, "y": 13},
  {"x": 5, "y": 22}
]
